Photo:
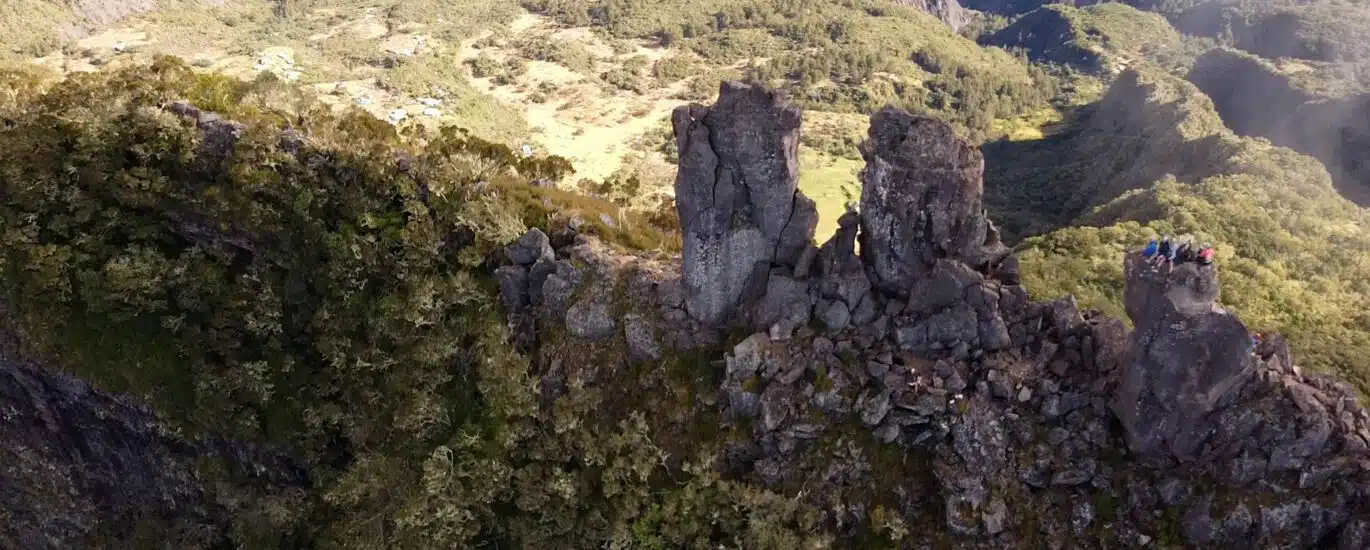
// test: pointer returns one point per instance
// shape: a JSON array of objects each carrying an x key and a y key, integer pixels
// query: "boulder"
[{"x": 532, "y": 247}]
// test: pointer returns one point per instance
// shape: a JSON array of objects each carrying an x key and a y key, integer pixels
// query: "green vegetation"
[
  {"x": 570, "y": 54},
  {"x": 28, "y": 28},
  {"x": 482, "y": 114},
  {"x": 1153, "y": 158},
  {"x": 338, "y": 303},
  {"x": 503, "y": 73},
  {"x": 852, "y": 56},
  {"x": 832, "y": 184},
  {"x": 676, "y": 67},
  {"x": 1087, "y": 37},
  {"x": 1317, "y": 31}
]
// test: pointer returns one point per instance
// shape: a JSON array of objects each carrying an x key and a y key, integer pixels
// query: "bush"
[
  {"x": 484, "y": 66},
  {"x": 569, "y": 54},
  {"x": 624, "y": 79},
  {"x": 674, "y": 68}
]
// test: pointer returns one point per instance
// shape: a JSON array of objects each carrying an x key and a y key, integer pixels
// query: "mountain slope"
[
  {"x": 1255, "y": 98},
  {"x": 378, "y": 310},
  {"x": 1154, "y": 158}
]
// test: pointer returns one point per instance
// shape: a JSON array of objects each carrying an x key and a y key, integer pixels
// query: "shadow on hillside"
[{"x": 1028, "y": 184}]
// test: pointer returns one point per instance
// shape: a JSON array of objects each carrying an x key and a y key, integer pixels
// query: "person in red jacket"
[{"x": 1205, "y": 257}]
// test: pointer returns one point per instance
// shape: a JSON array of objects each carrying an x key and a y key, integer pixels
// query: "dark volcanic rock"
[
  {"x": 1001, "y": 410},
  {"x": 1188, "y": 356},
  {"x": 737, "y": 195},
  {"x": 921, "y": 200}
]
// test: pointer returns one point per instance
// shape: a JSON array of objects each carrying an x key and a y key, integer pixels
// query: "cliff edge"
[{"x": 1028, "y": 423}]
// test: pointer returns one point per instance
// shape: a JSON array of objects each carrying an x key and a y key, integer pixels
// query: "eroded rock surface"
[
  {"x": 737, "y": 193},
  {"x": 921, "y": 200},
  {"x": 1189, "y": 356}
]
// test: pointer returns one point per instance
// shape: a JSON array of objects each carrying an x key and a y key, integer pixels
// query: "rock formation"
[
  {"x": 1036, "y": 424},
  {"x": 921, "y": 200},
  {"x": 948, "y": 11},
  {"x": 1189, "y": 356},
  {"x": 737, "y": 195}
]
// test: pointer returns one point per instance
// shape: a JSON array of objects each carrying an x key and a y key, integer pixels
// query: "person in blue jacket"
[
  {"x": 1162, "y": 252},
  {"x": 1150, "y": 249}
]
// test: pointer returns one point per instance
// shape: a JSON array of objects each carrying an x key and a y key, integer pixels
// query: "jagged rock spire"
[
  {"x": 1189, "y": 356},
  {"x": 921, "y": 200},
  {"x": 737, "y": 193}
]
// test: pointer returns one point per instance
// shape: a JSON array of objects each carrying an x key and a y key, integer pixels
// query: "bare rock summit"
[{"x": 737, "y": 194}]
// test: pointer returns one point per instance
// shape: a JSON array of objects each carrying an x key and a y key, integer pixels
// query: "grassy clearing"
[{"x": 831, "y": 183}]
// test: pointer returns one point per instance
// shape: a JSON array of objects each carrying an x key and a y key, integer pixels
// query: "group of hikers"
[{"x": 1168, "y": 252}]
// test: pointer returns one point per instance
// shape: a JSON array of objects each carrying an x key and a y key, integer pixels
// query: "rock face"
[
  {"x": 737, "y": 193},
  {"x": 1033, "y": 424},
  {"x": 948, "y": 11},
  {"x": 1189, "y": 356},
  {"x": 921, "y": 200},
  {"x": 76, "y": 464},
  {"x": 104, "y": 12}
]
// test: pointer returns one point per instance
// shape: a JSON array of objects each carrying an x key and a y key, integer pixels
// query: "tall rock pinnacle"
[
  {"x": 1189, "y": 357},
  {"x": 737, "y": 193},
  {"x": 921, "y": 200}
]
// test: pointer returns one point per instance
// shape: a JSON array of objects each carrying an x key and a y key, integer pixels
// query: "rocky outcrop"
[
  {"x": 1189, "y": 357},
  {"x": 737, "y": 193},
  {"x": 1036, "y": 424},
  {"x": 83, "y": 469},
  {"x": 948, "y": 11},
  {"x": 921, "y": 201},
  {"x": 1256, "y": 99}
]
